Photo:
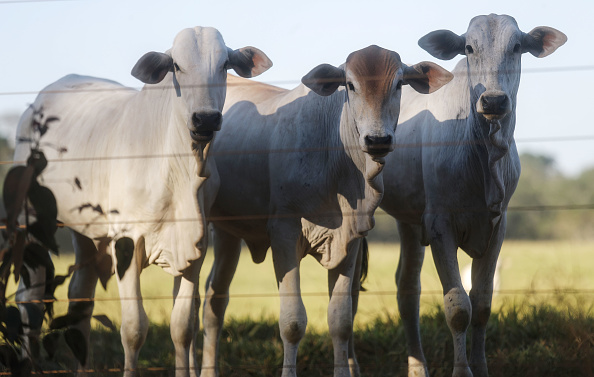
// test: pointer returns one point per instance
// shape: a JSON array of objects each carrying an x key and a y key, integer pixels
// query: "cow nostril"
[
  {"x": 378, "y": 141},
  {"x": 196, "y": 120},
  {"x": 494, "y": 102}
]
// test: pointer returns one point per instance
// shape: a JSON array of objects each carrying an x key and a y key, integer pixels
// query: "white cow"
[
  {"x": 305, "y": 178},
  {"x": 451, "y": 181},
  {"x": 141, "y": 157}
]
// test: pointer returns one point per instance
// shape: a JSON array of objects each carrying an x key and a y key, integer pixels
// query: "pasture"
[
  {"x": 542, "y": 322},
  {"x": 529, "y": 270}
]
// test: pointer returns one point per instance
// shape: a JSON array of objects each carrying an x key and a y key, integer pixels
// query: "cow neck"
[
  {"x": 370, "y": 169},
  {"x": 492, "y": 141},
  {"x": 184, "y": 168}
]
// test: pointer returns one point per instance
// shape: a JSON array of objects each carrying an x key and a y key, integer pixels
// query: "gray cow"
[{"x": 450, "y": 181}]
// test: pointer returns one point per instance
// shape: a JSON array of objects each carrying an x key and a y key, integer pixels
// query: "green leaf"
[
  {"x": 66, "y": 320},
  {"x": 124, "y": 249},
  {"x": 105, "y": 321},
  {"x": 77, "y": 343},
  {"x": 50, "y": 343},
  {"x": 14, "y": 326},
  {"x": 16, "y": 187},
  {"x": 46, "y": 210}
]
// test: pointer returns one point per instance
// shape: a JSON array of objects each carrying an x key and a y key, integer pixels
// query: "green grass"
[
  {"x": 541, "y": 267},
  {"x": 527, "y": 340},
  {"x": 537, "y": 328}
]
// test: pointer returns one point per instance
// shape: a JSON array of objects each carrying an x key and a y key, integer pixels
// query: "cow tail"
[{"x": 364, "y": 263}]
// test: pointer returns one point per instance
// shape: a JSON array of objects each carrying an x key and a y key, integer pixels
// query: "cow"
[
  {"x": 305, "y": 178},
  {"x": 134, "y": 169},
  {"x": 449, "y": 182}
]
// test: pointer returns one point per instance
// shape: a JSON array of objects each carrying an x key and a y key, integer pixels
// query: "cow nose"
[
  {"x": 494, "y": 105},
  {"x": 378, "y": 145},
  {"x": 207, "y": 121}
]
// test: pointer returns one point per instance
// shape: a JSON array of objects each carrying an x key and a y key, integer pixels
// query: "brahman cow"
[
  {"x": 450, "y": 181},
  {"x": 305, "y": 178},
  {"x": 135, "y": 167}
]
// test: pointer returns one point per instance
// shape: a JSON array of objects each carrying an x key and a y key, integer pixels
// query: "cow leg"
[
  {"x": 457, "y": 306},
  {"x": 340, "y": 308},
  {"x": 184, "y": 319},
  {"x": 81, "y": 289},
  {"x": 355, "y": 289},
  {"x": 408, "y": 281},
  {"x": 226, "y": 257},
  {"x": 135, "y": 324},
  {"x": 481, "y": 294},
  {"x": 293, "y": 318}
]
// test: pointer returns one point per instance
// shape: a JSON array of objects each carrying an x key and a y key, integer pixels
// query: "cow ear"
[
  {"x": 152, "y": 67},
  {"x": 249, "y": 61},
  {"x": 543, "y": 41},
  {"x": 443, "y": 44},
  {"x": 324, "y": 79},
  {"x": 426, "y": 77}
]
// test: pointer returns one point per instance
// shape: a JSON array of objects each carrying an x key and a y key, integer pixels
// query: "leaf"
[
  {"x": 44, "y": 202},
  {"x": 66, "y": 320},
  {"x": 25, "y": 368},
  {"x": 14, "y": 326},
  {"x": 8, "y": 355},
  {"x": 77, "y": 343},
  {"x": 37, "y": 256},
  {"x": 24, "y": 274},
  {"x": 50, "y": 343},
  {"x": 16, "y": 187},
  {"x": 105, "y": 321},
  {"x": 37, "y": 160},
  {"x": 124, "y": 250},
  {"x": 18, "y": 250}
]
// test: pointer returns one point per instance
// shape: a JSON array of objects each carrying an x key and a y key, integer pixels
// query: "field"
[
  {"x": 528, "y": 270},
  {"x": 543, "y": 321}
]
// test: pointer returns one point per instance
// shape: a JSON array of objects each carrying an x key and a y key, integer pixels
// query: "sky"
[{"x": 41, "y": 41}]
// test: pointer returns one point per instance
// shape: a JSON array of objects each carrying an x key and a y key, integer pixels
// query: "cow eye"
[
  {"x": 351, "y": 86},
  {"x": 469, "y": 49},
  {"x": 399, "y": 85},
  {"x": 517, "y": 48},
  {"x": 226, "y": 65}
]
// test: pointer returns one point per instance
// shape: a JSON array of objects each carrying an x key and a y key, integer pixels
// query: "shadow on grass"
[{"x": 522, "y": 340}]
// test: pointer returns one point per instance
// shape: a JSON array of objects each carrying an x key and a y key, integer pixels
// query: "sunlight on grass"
[{"x": 539, "y": 266}]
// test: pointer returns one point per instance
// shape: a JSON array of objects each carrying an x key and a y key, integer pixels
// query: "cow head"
[
  {"x": 198, "y": 63},
  {"x": 493, "y": 46},
  {"x": 373, "y": 78}
]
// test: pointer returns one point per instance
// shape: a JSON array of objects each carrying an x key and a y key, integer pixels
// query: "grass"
[
  {"x": 538, "y": 268},
  {"x": 537, "y": 328},
  {"x": 527, "y": 340}
]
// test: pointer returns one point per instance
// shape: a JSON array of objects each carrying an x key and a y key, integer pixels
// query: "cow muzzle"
[
  {"x": 494, "y": 105},
  {"x": 378, "y": 146},
  {"x": 204, "y": 124}
]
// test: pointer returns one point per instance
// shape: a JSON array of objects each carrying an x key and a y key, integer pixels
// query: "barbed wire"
[
  {"x": 272, "y": 82},
  {"x": 2, "y": 2},
  {"x": 453, "y": 143},
  {"x": 251, "y": 217},
  {"x": 502, "y": 292}
]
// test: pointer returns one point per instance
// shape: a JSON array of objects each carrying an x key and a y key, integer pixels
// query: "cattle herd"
[{"x": 298, "y": 172}]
